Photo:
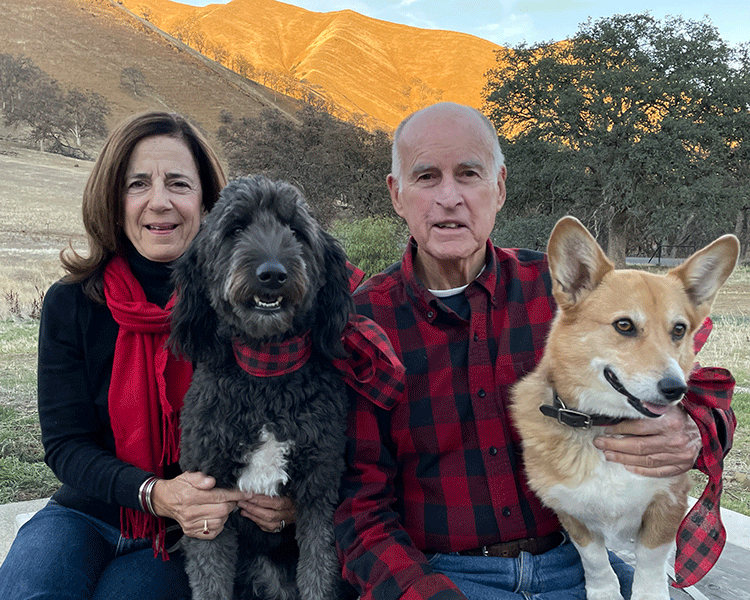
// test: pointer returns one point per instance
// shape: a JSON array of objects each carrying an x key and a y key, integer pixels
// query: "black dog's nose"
[
  {"x": 672, "y": 388},
  {"x": 271, "y": 274}
]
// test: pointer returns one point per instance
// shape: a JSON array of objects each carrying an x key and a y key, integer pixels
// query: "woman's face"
[{"x": 163, "y": 200}]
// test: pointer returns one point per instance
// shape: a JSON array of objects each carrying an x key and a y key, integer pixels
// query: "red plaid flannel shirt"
[{"x": 440, "y": 471}]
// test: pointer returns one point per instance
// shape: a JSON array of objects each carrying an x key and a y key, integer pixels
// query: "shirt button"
[
  {"x": 481, "y": 393},
  {"x": 506, "y": 511},
  {"x": 492, "y": 450},
  {"x": 476, "y": 337},
  {"x": 430, "y": 314}
]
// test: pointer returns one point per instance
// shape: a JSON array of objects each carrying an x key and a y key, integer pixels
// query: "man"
[{"x": 435, "y": 501}]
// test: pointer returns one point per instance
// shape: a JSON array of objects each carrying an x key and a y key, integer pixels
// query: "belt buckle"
[{"x": 485, "y": 551}]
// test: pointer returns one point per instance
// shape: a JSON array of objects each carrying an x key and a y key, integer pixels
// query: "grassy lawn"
[{"x": 23, "y": 474}]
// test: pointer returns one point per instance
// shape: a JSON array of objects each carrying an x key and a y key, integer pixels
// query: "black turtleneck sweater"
[{"x": 76, "y": 349}]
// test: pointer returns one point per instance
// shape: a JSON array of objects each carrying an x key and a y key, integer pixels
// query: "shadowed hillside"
[{"x": 87, "y": 44}]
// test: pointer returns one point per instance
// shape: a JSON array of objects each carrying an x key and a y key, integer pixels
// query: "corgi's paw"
[
  {"x": 604, "y": 593},
  {"x": 655, "y": 592}
]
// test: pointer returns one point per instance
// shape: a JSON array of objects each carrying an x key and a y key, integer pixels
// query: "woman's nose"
[{"x": 160, "y": 199}]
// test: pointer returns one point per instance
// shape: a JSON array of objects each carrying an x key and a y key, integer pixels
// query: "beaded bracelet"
[{"x": 144, "y": 495}]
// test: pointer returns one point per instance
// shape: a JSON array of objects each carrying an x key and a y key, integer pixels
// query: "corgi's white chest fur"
[
  {"x": 611, "y": 500},
  {"x": 265, "y": 470}
]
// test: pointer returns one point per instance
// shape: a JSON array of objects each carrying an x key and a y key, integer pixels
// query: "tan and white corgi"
[{"x": 621, "y": 346}]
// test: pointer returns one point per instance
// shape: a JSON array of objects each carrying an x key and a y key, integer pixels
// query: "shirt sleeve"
[
  {"x": 74, "y": 430},
  {"x": 378, "y": 557}
]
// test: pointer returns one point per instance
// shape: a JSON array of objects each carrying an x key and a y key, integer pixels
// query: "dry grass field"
[{"x": 40, "y": 214}]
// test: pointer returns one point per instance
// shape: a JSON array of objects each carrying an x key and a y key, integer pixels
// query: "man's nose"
[{"x": 448, "y": 192}]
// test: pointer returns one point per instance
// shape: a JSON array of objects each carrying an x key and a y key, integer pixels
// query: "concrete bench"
[{"x": 728, "y": 580}]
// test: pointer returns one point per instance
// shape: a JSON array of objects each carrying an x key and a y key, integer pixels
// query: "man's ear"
[
  {"x": 501, "y": 175},
  {"x": 393, "y": 188}
]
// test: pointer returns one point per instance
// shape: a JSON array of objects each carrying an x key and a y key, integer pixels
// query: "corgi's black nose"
[{"x": 671, "y": 388}]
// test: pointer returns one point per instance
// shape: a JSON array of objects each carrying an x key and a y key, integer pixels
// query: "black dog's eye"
[
  {"x": 679, "y": 331},
  {"x": 624, "y": 327},
  {"x": 235, "y": 231}
]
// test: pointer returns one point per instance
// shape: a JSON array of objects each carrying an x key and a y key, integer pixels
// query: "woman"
[{"x": 110, "y": 391}]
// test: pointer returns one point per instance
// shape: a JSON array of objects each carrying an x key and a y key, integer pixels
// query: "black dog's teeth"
[{"x": 268, "y": 305}]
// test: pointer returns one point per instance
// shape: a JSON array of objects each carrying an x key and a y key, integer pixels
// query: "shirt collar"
[{"x": 425, "y": 300}]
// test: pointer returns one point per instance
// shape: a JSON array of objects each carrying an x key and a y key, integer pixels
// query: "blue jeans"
[
  {"x": 62, "y": 553},
  {"x": 554, "y": 575}
]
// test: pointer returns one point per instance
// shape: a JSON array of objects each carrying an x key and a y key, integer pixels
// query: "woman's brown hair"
[{"x": 102, "y": 197}]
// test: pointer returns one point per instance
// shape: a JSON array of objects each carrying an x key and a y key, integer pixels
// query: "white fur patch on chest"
[
  {"x": 265, "y": 472},
  {"x": 612, "y": 501}
]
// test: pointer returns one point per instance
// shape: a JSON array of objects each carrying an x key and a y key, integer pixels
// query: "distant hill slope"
[
  {"x": 86, "y": 44},
  {"x": 373, "y": 67}
]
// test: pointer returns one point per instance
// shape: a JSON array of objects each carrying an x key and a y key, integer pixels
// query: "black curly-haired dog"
[{"x": 260, "y": 272}]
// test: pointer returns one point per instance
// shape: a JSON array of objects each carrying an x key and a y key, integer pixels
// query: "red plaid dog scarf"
[
  {"x": 701, "y": 536},
  {"x": 373, "y": 369}
]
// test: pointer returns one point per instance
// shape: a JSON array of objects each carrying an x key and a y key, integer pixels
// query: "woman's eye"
[{"x": 624, "y": 326}]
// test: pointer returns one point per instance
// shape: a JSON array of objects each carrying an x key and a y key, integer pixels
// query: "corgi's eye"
[
  {"x": 624, "y": 326},
  {"x": 679, "y": 331}
]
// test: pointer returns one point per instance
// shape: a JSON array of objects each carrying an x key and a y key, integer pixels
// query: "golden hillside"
[{"x": 367, "y": 66}]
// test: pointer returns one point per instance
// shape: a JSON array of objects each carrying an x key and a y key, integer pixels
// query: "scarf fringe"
[{"x": 135, "y": 524}]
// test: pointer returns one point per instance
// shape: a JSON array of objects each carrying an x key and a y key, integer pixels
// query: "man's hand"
[
  {"x": 270, "y": 514},
  {"x": 660, "y": 447}
]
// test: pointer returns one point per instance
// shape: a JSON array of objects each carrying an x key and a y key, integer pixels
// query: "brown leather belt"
[{"x": 537, "y": 545}]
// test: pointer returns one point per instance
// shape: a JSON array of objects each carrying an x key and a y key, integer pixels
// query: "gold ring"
[{"x": 205, "y": 527}]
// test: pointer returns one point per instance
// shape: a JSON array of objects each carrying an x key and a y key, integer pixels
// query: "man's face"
[{"x": 448, "y": 193}]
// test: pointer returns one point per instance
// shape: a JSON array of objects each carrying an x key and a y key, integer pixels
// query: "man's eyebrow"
[
  {"x": 421, "y": 168},
  {"x": 474, "y": 165}
]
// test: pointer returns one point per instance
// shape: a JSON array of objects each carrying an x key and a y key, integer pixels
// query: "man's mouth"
[{"x": 448, "y": 225}]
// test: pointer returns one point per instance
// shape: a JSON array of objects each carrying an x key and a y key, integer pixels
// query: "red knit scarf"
[
  {"x": 146, "y": 390},
  {"x": 373, "y": 369}
]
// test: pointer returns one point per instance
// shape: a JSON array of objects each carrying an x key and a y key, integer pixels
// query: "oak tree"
[{"x": 652, "y": 116}]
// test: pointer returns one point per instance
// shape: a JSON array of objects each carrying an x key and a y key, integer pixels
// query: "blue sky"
[{"x": 510, "y": 22}]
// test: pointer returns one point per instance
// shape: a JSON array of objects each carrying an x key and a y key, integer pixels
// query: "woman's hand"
[
  {"x": 270, "y": 514},
  {"x": 195, "y": 503}
]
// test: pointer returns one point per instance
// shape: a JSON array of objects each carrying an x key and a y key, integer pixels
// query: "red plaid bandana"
[
  {"x": 701, "y": 536},
  {"x": 373, "y": 369},
  {"x": 274, "y": 359}
]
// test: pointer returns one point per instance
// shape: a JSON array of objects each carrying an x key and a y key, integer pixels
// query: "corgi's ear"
[
  {"x": 706, "y": 271},
  {"x": 576, "y": 262}
]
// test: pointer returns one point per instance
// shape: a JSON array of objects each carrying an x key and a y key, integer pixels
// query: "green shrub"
[{"x": 373, "y": 243}]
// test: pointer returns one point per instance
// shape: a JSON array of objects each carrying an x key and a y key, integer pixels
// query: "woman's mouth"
[{"x": 161, "y": 228}]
